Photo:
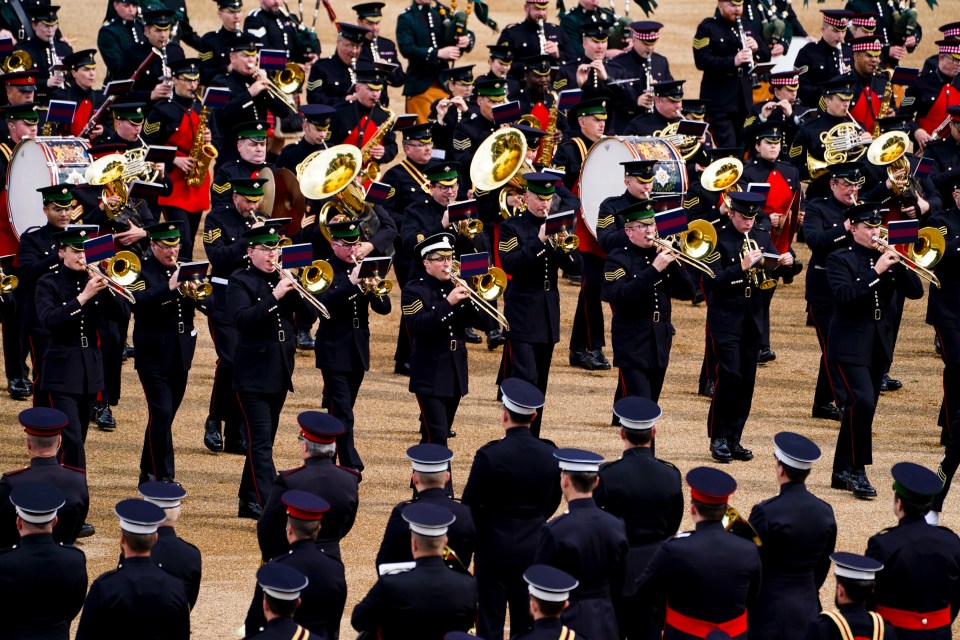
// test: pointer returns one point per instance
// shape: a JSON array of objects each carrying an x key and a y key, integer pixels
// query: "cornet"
[
  {"x": 377, "y": 286},
  {"x": 471, "y": 227},
  {"x": 195, "y": 289},
  {"x": 568, "y": 242},
  {"x": 757, "y": 274}
]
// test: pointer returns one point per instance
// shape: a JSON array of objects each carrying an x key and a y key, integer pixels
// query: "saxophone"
[
  {"x": 201, "y": 152},
  {"x": 549, "y": 146},
  {"x": 371, "y": 169},
  {"x": 885, "y": 102}
]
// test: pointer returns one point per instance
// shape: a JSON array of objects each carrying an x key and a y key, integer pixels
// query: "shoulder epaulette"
[
  {"x": 14, "y": 472},
  {"x": 353, "y": 471},
  {"x": 284, "y": 474}
]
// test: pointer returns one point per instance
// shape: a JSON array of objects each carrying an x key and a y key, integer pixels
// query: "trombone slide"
[
  {"x": 113, "y": 286},
  {"x": 682, "y": 257},
  {"x": 922, "y": 272},
  {"x": 306, "y": 295},
  {"x": 485, "y": 306}
]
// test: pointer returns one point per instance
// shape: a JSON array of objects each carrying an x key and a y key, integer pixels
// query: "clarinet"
[
  {"x": 541, "y": 37},
  {"x": 747, "y": 67}
]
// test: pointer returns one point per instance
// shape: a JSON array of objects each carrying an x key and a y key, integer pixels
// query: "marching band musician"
[
  {"x": 275, "y": 28},
  {"x": 70, "y": 303},
  {"x": 726, "y": 51},
  {"x": 251, "y": 148},
  {"x": 914, "y": 196},
  {"x": 734, "y": 323},
  {"x": 343, "y": 342},
  {"x": 589, "y": 72},
  {"x": 535, "y": 36},
  {"x": 638, "y": 178},
  {"x": 45, "y": 49},
  {"x": 824, "y": 59},
  {"x": 446, "y": 113},
  {"x": 164, "y": 341},
  {"x": 639, "y": 64},
  {"x": 215, "y": 46},
  {"x": 927, "y": 99},
  {"x": 375, "y": 48},
  {"x": 263, "y": 303},
  {"x": 868, "y": 85},
  {"x": 81, "y": 67},
  {"x": 332, "y": 80},
  {"x": 355, "y": 122},
  {"x": 223, "y": 228},
  {"x": 781, "y": 108},
  {"x": 316, "y": 129},
  {"x": 154, "y": 82},
  {"x": 438, "y": 310},
  {"x": 19, "y": 86},
  {"x": 571, "y": 23},
  {"x": 950, "y": 31},
  {"x": 422, "y": 41},
  {"x": 174, "y": 122},
  {"x": 945, "y": 153},
  {"x": 118, "y": 35},
  {"x": 667, "y": 102},
  {"x": 641, "y": 277},
  {"x": 825, "y": 230},
  {"x": 532, "y": 301},
  {"x": 942, "y": 313},
  {"x": 477, "y": 127},
  {"x": 894, "y": 30},
  {"x": 865, "y": 282},
  {"x": 535, "y": 85},
  {"x": 500, "y": 61}
]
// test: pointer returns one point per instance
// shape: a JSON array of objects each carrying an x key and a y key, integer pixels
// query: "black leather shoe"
[
  {"x": 859, "y": 485},
  {"x": 212, "y": 438},
  {"x": 577, "y": 280},
  {"x": 305, "y": 340},
  {"x": 578, "y": 358},
  {"x": 707, "y": 389},
  {"x": 104, "y": 417},
  {"x": 766, "y": 355},
  {"x": 826, "y": 412},
  {"x": 738, "y": 452},
  {"x": 472, "y": 337},
  {"x": 250, "y": 510},
  {"x": 720, "y": 451},
  {"x": 86, "y": 530},
  {"x": 890, "y": 384},
  {"x": 596, "y": 361},
  {"x": 238, "y": 446},
  {"x": 18, "y": 389},
  {"x": 495, "y": 339},
  {"x": 840, "y": 480},
  {"x": 451, "y": 434},
  {"x": 145, "y": 477},
  {"x": 402, "y": 368},
  {"x": 937, "y": 346},
  {"x": 127, "y": 352},
  {"x": 698, "y": 298},
  {"x": 28, "y": 383}
]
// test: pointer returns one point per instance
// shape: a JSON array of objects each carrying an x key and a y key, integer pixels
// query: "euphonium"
[
  {"x": 371, "y": 170},
  {"x": 331, "y": 175},
  {"x": 889, "y": 150},
  {"x": 688, "y": 146},
  {"x": 201, "y": 152},
  {"x": 501, "y": 161},
  {"x": 758, "y": 276},
  {"x": 108, "y": 171}
]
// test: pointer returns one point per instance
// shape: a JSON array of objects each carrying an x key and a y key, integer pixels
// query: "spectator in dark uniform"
[
  {"x": 430, "y": 597},
  {"x": 333, "y": 79},
  {"x": 281, "y": 586},
  {"x": 647, "y": 494},
  {"x": 856, "y": 580},
  {"x": 249, "y": 161},
  {"x": 42, "y": 581},
  {"x": 320, "y": 476},
  {"x": 215, "y": 46},
  {"x": 316, "y": 129},
  {"x": 727, "y": 58},
  {"x": 705, "y": 578},
  {"x": 431, "y": 472},
  {"x": 172, "y": 553},
  {"x": 343, "y": 341},
  {"x": 458, "y": 82},
  {"x": 918, "y": 591},
  {"x": 43, "y": 426},
  {"x": 323, "y": 598},
  {"x": 524, "y": 37},
  {"x": 824, "y": 59},
  {"x": 138, "y": 597},
  {"x": 587, "y": 543},
  {"x": 799, "y": 533},
  {"x": 549, "y": 590},
  {"x": 865, "y": 282},
  {"x": 638, "y": 67},
  {"x": 118, "y": 35},
  {"x": 375, "y": 49},
  {"x": 513, "y": 487}
]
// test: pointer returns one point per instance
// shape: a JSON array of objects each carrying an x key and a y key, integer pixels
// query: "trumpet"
[
  {"x": 471, "y": 227},
  {"x": 919, "y": 260},
  {"x": 758, "y": 276},
  {"x": 195, "y": 289},
  {"x": 681, "y": 255},
  {"x": 567, "y": 241},
  {"x": 377, "y": 286},
  {"x": 314, "y": 278},
  {"x": 122, "y": 270},
  {"x": 490, "y": 286}
]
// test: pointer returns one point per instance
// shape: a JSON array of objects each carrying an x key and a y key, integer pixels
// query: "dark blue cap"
[
  {"x": 43, "y": 421},
  {"x": 531, "y": 134},
  {"x": 317, "y": 426},
  {"x": 849, "y": 171},
  {"x": 463, "y": 74},
  {"x": 422, "y": 132},
  {"x": 598, "y": 31},
  {"x": 769, "y": 130},
  {"x": 37, "y": 502},
  {"x": 636, "y": 413},
  {"x": 642, "y": 169},
  {"x": 549, "y": 583},
  {"x": 139, "y": 516},
  {"x": 838, "y": 85},
  {"x": 165, "y": 495},
  {"x": 869, "y": 212},
  {"x": 578, "y": 460},
  {"x": 352, "y": 32},
  {"x": 428, "y": 519},
  {"x": 429, "y": 458},
  {"x": 710, "y": 486},
  {"x": 855, "y": 566},
  {"x": 303, "y": 505},
  {"x": 521, "y": 396},
  {"x": 318, "y": 114},
  {"x": 795, "y": 450},
  {"x": 746, "y": 203},
  {"x": 502, "y": 52},
  {"x": 672, "y": 89},
  {"x": 914, "y": 482},
  {"x": 247, "y": 43},
  {"x": 280, "y": 581}
]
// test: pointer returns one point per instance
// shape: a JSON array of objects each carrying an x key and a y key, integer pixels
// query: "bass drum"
[
  {"x": 602, "y": 176},
  {"x": 41, "y": 162}
]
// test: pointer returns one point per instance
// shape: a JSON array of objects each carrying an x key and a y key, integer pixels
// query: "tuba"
[
  {"x": 332, "y": 175},
  {"x": 688, "y": 146},
  {"x": 501, "y": 161},
  {"x": 109, "y": 171}
]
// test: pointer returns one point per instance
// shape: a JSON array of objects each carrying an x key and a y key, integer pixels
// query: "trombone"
[
  {"x": 490, "y": 286},
  {"x": 920, "y": 261},
  {"x": 681, "y": 252},
  {"x": 284, "y": 84},
  {"x": 123, "y": 269},
  {"x": 315, "y": 278}
]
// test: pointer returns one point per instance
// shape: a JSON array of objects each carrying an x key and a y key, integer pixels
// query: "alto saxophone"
[
  {"x": 371, "y": 169},
  {"x": 201, "y": 152},
  {"x": 549, "y": 145},
  {"x": 885, "y": 102}
]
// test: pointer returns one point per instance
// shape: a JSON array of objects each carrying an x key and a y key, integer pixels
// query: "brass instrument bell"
[
  {"x": 123, "y": 268},
  {"x": 8, "y": 284},
  {"x": 501, "y": 161},
  {"x": 316, "y": 277},
  {"x": 699, "y": 240}
]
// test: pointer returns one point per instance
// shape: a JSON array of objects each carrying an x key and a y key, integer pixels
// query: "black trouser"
[
  {"x": 498, "y": 587},
  {"x": 528, "y": 361},
  {"x": 901, "y": 299},
  {"x": 113, "y": 337},
  {"x": 78, "y": 408},
  {"x": 340, "y": 389},
  {"x": 858, "y": 389},
  {"x": 767, "y": 296},
  {"x": 727, "y": 128},
  {"x": 436, "y": 417},
  {"x": 709, "y": 365},
  {"x": 223, "y": 400},
  {"x": 588, "y": 319},
  {"x": 950, "y": 353},
  {"x": 38, "y": 345},
  {"x": 735, "y": 375},
  {"x": 13, "y": 354},
  {"x": 261, "y": 414},
  {"x": 404, "y": 344},
  {"x": 645, "y": 383},
  {"x": 164, "y": 392},
  {"x": 191, "y": 223},
  {"x": 820, "y": 316}
]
